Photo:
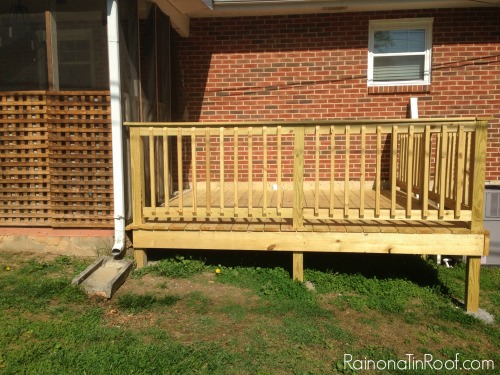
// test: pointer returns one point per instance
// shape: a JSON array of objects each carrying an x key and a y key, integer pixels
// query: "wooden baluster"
[
  {"x": 193, "y": 171},
  {"x": 426, "y": 161},
  {"x": 409, "y": 172},
  {"x": 378, "y": 176},
  {"x": 404, "y": 158},
  {"x": 180, "y": 171},
  {"x": 264, "y": 171},
  {"x": 250, "y": 171},
  {"x": 166, "y": 174},
  {"x": 208, "y": 192},
  {"x": 416, "y": 160},
  {"x": 152, "y": 171},
  {"x": 394, "y": 165},
  {"x": 316, "y": 172},
  {"x": 468, "y": 168},
  {"x": 442, "y": 170},
  {"x": 347, "y": 170},
  {"x": 332, "y": 170},
  {"x": 363, "y": 174},
  {"x": 449, "y": 166},
  {"x": 459, "y": 170},
  {"x": 280, "y": 191},
  {"x": 437, "y": 159},
  {"x": 221, "y": 169},
  {"x": 236, "y": 179},
  {"x": 400, "y": 171}
]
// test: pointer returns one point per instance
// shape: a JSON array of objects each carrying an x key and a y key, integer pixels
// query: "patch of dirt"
[
  {"x": 192, "y": 317},
  {"x": 205, "y": 283}
]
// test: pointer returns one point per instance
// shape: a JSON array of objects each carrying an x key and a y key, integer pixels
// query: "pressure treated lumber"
[
  {"x": 140, "y": 257},
  {"x": 298, "y": 266},
  {"x": 472, "y": 283}
]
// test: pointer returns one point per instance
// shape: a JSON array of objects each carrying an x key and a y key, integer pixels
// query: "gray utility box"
[{"x": 492, "y": 223}]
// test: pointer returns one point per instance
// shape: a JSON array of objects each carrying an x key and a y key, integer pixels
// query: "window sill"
[{"x": 403, "y": 89}]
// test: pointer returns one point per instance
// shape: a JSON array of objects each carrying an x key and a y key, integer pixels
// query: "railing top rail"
[{"x": 307, "y": 123}]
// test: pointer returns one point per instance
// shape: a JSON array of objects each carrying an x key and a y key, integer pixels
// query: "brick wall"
[{"x": 314, "y": 67}]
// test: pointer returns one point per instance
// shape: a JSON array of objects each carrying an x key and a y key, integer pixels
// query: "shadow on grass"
[{"x": 381, "y": 266}]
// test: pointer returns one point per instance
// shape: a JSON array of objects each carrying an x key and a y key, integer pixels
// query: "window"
[{"x": 399, "y": 52}]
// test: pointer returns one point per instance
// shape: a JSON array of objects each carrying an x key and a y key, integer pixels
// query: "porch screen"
[
  {"x": 53, "y": 45},
  {"x": 23, "y": 54},
  {"x": 81, "y": 56}
]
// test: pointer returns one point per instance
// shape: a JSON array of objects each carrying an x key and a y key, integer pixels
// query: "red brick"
[{"x": 319, "y": 71}]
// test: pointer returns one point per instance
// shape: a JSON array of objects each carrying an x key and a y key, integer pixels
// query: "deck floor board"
[
  {"x": 312, "y": 225},
  {"x": 240, "y": 217},
  {"x": 287, "y": 199}
]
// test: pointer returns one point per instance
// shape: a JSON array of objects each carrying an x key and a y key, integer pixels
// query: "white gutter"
[
  {"x": 116, "y": 126},
  {"x": 223, "y": 8}
]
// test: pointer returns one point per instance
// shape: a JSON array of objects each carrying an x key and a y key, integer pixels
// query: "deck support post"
[
  {"x": 140, "y": 257},
  {"x": 298, "y": 266},
  {"x": 478, "y": 174},
  {"x": 472, "y": 284}
]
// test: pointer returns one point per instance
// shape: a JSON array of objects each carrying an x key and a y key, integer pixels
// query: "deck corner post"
[
  {"x": 298, "y": 266},
  {"x": 472, "y": 283},
  {"x": 478, "y": 175},
  {"x": 140, "y": 257},
  {"x": 137, "y": 175},
  {"x": 298, "y": 177}
]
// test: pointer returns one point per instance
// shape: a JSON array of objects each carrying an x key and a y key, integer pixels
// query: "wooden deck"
[
  {"x": 230, "y": 228},
  {"x": 389, "y": 187}
]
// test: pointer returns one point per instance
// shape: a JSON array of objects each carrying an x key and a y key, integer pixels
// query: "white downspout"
[{"x": 116, "y": 127}]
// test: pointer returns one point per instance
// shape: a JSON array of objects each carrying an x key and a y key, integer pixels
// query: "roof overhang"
[{"x": 181, "y": 11}]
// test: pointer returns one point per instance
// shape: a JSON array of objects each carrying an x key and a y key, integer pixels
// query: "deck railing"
[{"x": 430, "y": 169}]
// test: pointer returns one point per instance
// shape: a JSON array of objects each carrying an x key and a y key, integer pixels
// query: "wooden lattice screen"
[
  {"x": 24, "y": 159},
  {"x": 56, "y": 161}
]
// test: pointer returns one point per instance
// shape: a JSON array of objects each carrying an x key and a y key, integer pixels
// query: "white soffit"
[{"x": 181, "y": 11}]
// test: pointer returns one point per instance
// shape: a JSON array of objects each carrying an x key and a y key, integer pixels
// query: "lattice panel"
[
  {"x": 24, "y": 160},
  {"x": 80, "y": 159}
]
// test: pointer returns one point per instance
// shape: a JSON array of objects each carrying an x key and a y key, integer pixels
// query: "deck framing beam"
[{"x": 300, "y": 241}]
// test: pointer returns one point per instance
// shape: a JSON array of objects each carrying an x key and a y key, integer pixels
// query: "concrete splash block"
[{"x": 104, "y": 276}]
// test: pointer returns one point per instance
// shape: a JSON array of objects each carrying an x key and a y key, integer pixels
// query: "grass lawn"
[{"x": 181, "y": 317}]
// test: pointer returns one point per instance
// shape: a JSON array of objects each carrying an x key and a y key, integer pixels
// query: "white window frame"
[{"x": 401, "y": 24}]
